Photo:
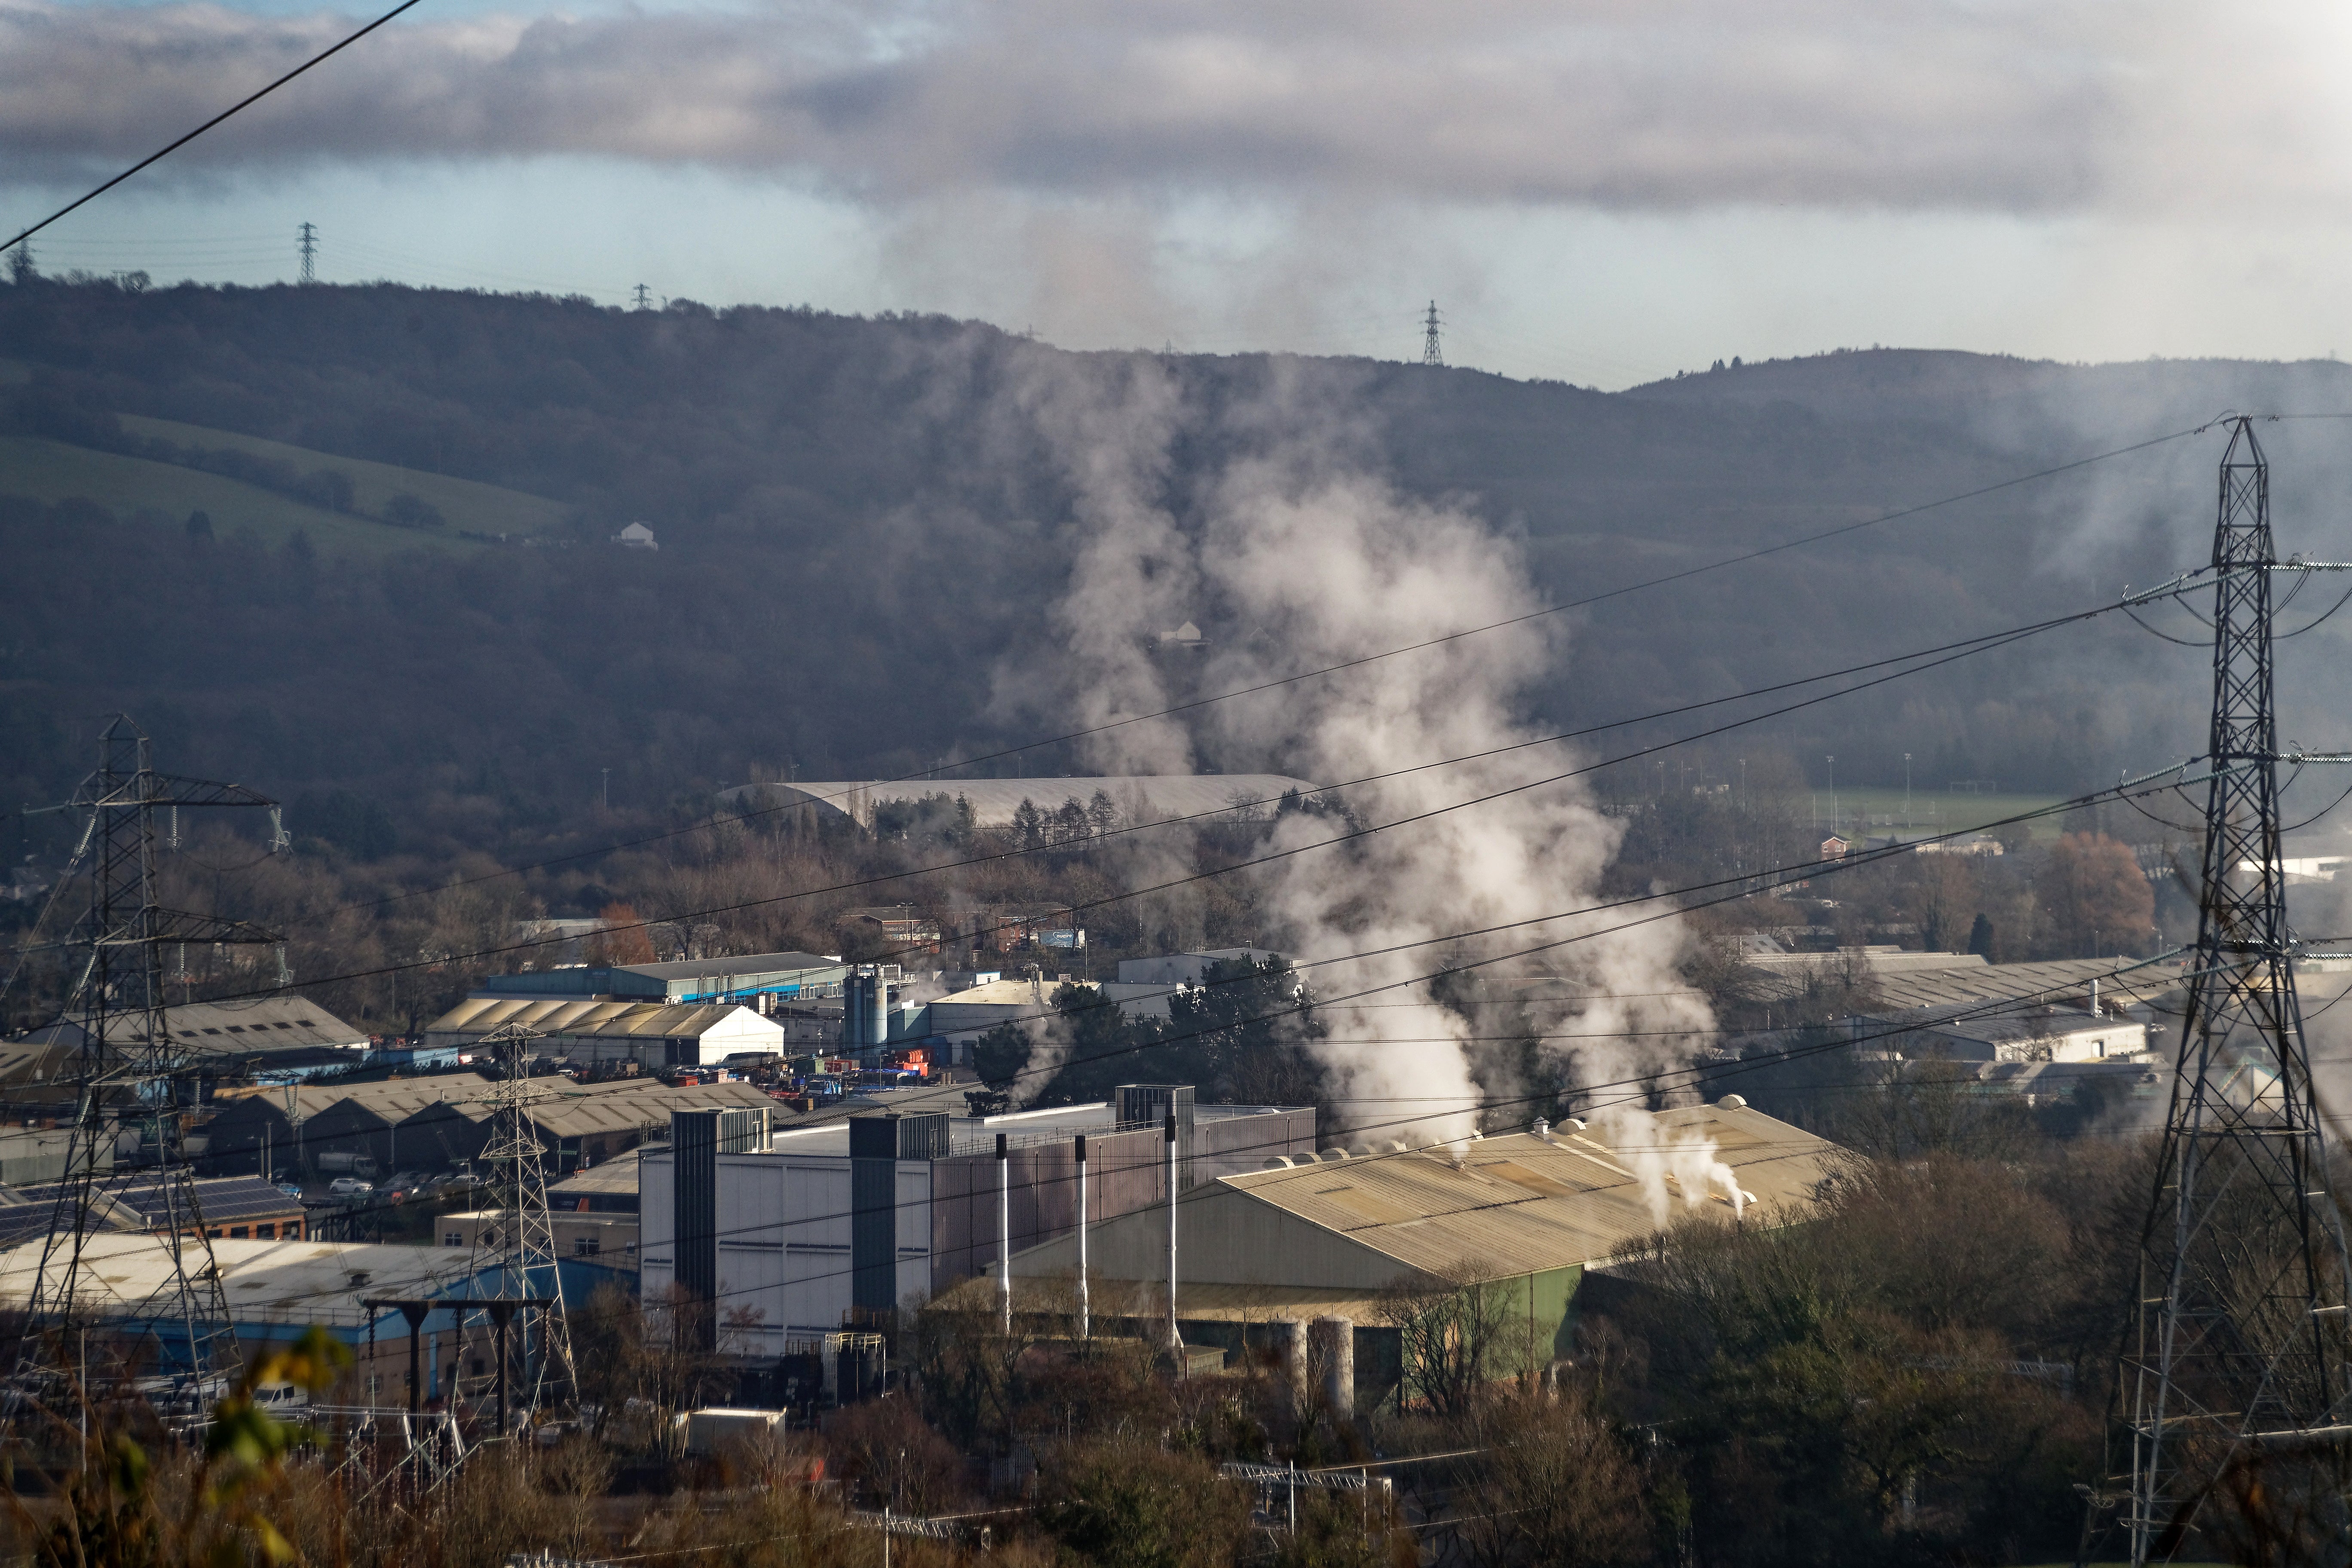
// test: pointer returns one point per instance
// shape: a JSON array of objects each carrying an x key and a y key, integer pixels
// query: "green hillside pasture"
[
  {"x": 53, "y": 471},
  {"x": 466, "y": 503},
  {"x": 1933, "y": 811}
]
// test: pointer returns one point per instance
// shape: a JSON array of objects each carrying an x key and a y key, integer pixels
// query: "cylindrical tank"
[
  {"x": 1334, "y": 1343},
  {"x": 858, "y": 1369},
  {"x": 864, "y": 1010},
  {"x": 1290, "y": 1339}
]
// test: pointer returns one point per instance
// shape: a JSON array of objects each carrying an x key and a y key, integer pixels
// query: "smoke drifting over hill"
[
  {"x": 888, "y": 541},
  {"x": 1325, "y": 566}
]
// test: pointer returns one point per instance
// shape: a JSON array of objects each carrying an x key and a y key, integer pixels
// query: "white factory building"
[
  {"x": 592, "y": 1029},
  {"x": 2029, "y": 1035}
]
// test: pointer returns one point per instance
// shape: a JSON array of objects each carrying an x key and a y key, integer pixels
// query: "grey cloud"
[{"x": 1892, "y": 103}]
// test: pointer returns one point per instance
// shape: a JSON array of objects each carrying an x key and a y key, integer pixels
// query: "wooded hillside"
[{"x": 861, "y": 521}]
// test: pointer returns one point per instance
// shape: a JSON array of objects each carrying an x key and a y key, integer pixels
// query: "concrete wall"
[
  {"x": 612, "y": 1238},
  {"x": 1223, "y": 1238},
  {"x": 786, "y": 1236},
  {"x": 1126, "y": 1173},
  {"x": 1538, "y": 1311},
  {"x": 38, "y": 1154}
]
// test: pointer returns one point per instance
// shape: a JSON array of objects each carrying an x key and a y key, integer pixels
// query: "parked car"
[
  {"x": 350, "y": 1187},
  {"x": 291, "y": 1189}
]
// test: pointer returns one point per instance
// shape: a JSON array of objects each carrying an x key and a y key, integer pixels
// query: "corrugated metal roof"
[
  {"x": 133, "y": 1200},
  {"x": 569, "y": 1117},
  {"x": 1516, "y": 1204},
  {"x": 1148, "y": 1299},
  {"x": 1519, "y": 1201},
  {"x": 284, "y": 1282},
  {"x": 2121, "y": 980},
  {"x": 262, "y": 1027},
  {"x": 262, "y": 1023},
  {"x": 562, "y": 1109},
  {"x": 585, "y": 1019},
  {"x": 390, "y": 1099},
  {"x": 615, "y": 1175}
]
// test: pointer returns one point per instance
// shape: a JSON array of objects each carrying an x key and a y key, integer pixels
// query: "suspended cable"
[
  {"x": 943, "y": 768},
  {"x": 244, "y": 102},
  {"x": 2168, "y": 636},
  {"x": 1334, "y": 841},
  {"x": 2325, "y": 617},
  {"x": 1950, "y": 651}
]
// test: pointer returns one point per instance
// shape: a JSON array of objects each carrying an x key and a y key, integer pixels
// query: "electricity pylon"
[
  {"x": 2236, "y": 1381},
  {"x": 518, "y": 1253},
  {"x": 1430, "y": 353},
  {"x": 127, "y": 1061}
]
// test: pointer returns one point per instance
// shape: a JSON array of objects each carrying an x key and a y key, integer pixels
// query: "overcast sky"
[{"x": 1600, "y": 191}]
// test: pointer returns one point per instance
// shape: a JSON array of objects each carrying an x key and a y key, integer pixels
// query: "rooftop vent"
[{"x": 1733, "y": 1102}]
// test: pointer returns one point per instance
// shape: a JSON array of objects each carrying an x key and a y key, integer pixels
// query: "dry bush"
[
  {"x": 497, "y": 1505},
  {"x": 1458, "y": 1333},
  {"x": 889, "y": 1453},
  {"x": 1560, "y": 1489},
  {"x": 786, "y": 1527}
]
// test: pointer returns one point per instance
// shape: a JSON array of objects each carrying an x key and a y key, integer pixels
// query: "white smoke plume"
[
  {"x": 1659, "y": 1155},
  {"x": 1293, "y": 557}
]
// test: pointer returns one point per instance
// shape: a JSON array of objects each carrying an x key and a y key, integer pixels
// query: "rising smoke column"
[{"x": 1300, "y": 559}]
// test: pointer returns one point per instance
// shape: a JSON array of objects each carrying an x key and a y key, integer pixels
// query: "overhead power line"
[
  {"x": 1743, "y": 885},
  {"x": 1975, "y": 644},
  {"x": 243, "y": 103},
  {"x": 1943, "y": 654},
  {"x": 1353, "y": 833},
  {"x": 933, "y": 772}
]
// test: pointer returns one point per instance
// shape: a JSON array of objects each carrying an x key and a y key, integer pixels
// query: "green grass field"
[
  {"x": 52, "y": 471},
  {"x": 1867, "y": 811},
  {"x": 485, "y": 508}
]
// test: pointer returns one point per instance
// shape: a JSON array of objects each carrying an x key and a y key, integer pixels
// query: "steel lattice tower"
[
  {"x": 127, "y": 1060},
  {"x": 524, "y": 1260},
  {"x": 1429, "y": 349},
  {"x": 2237, "y": 1383}
]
